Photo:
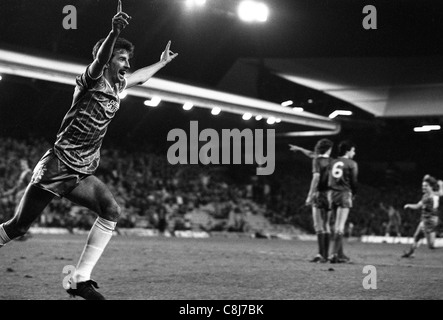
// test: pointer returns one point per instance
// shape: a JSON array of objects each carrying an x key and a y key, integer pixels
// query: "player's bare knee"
[{"x": 111, "y": 212}]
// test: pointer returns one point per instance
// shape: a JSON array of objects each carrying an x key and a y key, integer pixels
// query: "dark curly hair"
[
  {"x": 120, "y": 44},
  {"x": 345, "y": 146},
  {"x": 431, "y": 181},
  {"x": 323, "y": 145}
]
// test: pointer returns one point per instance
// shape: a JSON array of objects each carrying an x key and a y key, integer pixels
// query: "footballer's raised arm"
[
  {"x": 104, "y": 53},
  {"x": 144, "y": 74}
]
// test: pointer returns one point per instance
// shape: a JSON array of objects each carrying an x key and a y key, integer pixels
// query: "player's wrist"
[{"x": 114, "y": 33}]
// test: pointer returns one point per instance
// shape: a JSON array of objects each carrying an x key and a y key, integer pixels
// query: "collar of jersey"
[{"x": 107, "y": 82}]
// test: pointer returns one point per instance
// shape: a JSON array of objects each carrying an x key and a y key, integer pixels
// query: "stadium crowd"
[{"x": 155, "y": 194}]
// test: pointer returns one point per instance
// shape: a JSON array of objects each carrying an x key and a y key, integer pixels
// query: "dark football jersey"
[
  {"x": 430, "y": 205},
  {"x": 321, "y": 165},
  {"x": 343, "y": 175},
  {"x": 84, "y": 126}
]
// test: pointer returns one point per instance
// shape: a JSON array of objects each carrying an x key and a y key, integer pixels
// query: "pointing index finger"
[{"x": 119, "y": 6}]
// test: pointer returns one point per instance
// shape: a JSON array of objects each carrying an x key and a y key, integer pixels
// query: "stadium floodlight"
[
  {"x": 188, "y": 106},
  {"x": 310, "y": 101},
  {"x": 247, "y": 116},
  {"x": 1, "y": 78},
  {"x": 427, "y": 128},
  {"x": 271, "y": 120},
  {"x": 340, "y": 113},
  {"x": 258, "y": 118},
  {"x": 287, "y": 103},
  {"x": 278, "y": 120},
  {"x": 123, "y": 94},
  {"x": 298, "y": 109},
  {"x": 215, "y": 111},
  {"x": 193, "y": 3},
  {"x": 252, "y": 11},
  {"x": 432, "y": 127},
  {"x": 154, "y": 102}
]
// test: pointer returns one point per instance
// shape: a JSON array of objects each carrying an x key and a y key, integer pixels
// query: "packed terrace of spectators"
[{"x": 154, "y": 194}]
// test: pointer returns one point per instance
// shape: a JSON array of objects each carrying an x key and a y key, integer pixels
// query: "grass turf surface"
[{"x": 218, "y": 268}]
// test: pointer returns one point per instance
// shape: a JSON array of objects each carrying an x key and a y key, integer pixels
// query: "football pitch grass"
[{"x": 219, "y": 268}]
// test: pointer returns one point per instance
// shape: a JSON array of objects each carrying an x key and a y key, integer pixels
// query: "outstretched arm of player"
[
  {"x": 306, "y": 152},
  {"x": 104, "y": 53},
  {"x": 144, "y": 74},
  {"x": 413, "y": 206}
]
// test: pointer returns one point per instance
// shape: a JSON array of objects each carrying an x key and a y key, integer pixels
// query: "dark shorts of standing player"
[
  {"x": 321, "y": 215},
  {"x": 341, "y": 201}
]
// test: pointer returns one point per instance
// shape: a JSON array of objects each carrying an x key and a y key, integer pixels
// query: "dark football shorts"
[
  {"x": 320, "y": 200},
  {"x": 428, "y": 224},
  {"x": 342, "y": 199},
  {"x": 54, "y": 176}
]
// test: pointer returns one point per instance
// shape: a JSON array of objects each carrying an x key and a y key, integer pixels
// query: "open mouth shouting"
[{"x": 121, "y": 74}]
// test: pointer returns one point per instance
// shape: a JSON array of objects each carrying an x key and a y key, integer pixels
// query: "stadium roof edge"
[{"x": 31, "y": 66}]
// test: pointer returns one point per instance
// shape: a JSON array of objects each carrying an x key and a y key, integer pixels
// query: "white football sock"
[
  {"x": 98, "y": 238},
  {"x": 4, "y": 239}
]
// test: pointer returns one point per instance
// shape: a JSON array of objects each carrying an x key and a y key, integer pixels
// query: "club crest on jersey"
[{"x": 112, "y": 106}]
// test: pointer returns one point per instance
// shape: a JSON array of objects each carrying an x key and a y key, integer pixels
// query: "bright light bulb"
[
  {"x": 154, "y": 102},
  {"x": 432, "y": 127},
  {"x": 188, "y": 106},
  {"x": 262, "y": 13},
  {"x": 247, "y": 116},
  {"x": 287, "y": 103},
  {"x": 340, "y": 113},
  {"x": 215, "y": 111},
  {"x": 251, "y": 11},
  {"x": 192, "y": 3},
  {"x": 427, "y": 128},
  {"x": 271, "y": 120}
]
